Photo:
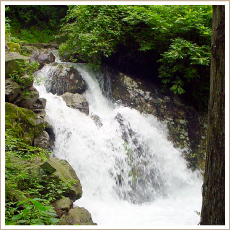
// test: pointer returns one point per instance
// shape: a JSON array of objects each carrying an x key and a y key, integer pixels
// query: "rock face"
[
  {"x": 43, "y": 57},
  {"x": 76, "y": 101},
  {"x": 64, "y": 78},
  {"x": 187, "y": 127},
  {"x": 61, "y": 170}
]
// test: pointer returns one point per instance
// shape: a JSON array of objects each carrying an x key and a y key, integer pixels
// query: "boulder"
[
  {"x": 63, "y": 205},
  {"x": 39, "y": 104},
  {"x": 12, "y": 90},
  {"x": 12, "y": 62},
  {"x": 76, "y": 101},
  {"x": 61, "y": 170},
  {"x": 27, "y": 98},
  {"x": 26, "y": 81},
  {"x": 22, "y": 122},
  {"x": 42, "y": 140},
  {"x": 77, "y": 216},
  {"x": 64, "y": 78},
  {"x": 43, "y": 57}
]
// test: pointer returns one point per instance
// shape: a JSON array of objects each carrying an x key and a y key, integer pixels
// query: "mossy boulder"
[
  {"x": 12, "y": 62},
  {"x": 61, "y": 171},
  {"x": 22, "y": 123}
]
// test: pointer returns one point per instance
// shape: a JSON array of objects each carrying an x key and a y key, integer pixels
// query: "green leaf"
[
  {"x": 38, "y": 205},
  {"x": 54, "y": 220},
  {"x": 17, "y": 217}
]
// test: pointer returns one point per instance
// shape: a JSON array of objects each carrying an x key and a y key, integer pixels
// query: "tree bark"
[{"x": 213, "y": 204}]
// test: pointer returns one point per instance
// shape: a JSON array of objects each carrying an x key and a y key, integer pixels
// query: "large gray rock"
[
  {"x": 12, "y": 90},
  {"x": 61, "y": 170},
  {"x": 43, "y": 57},
  {"x": 12, "y": 62},
  {"x": 64, "y": 78},
  {"x": 77, "y": 216},
  {"x": 76, "y": 101}
]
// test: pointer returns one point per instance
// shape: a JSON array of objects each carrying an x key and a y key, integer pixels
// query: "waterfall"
[{"x": 130, "y": 173}]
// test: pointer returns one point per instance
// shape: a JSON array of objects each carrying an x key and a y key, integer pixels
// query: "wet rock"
[
  {"x": 186, "y": 125},
  {"x": 76, "y": 101},
  {"x": 64, "y": 78},
  {"x": 77, "y": 216},
  {"x": 97, "y": 120}
]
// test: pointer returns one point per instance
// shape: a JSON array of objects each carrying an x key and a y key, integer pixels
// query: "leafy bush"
[
  {"x": 34, "y": 213},
  {"x": 27, "y": 68},
  {"x": 180, "y": 63}
]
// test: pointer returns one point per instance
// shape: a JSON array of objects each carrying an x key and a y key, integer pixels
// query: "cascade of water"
[{"x": 130, "y": 173}]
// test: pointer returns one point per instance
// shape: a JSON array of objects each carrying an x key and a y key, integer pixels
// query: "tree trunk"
[{"x": 213, "y": 205}]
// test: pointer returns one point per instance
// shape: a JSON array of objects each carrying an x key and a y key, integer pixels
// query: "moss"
[
  {"x": 22, "y": 123},
  {"x": 14, "y": 47}
]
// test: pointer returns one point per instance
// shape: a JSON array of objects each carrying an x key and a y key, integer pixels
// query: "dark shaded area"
[{"x": 42, "y": 16}]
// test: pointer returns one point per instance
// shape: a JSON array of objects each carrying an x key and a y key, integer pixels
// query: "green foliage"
[
  {"x": 178, "y": 35},
  {"x": 7, "y": 26},
  {"x": 27, "y": 68},
  {"x": 35, "y": 35},
  {"x": 35, "y": 23},
  {"x": 180, "y": 63},
  {"x": 34, "y": 213},
  {"x": 14, "y": 47},
  {"x": 42, "y": 16},
  {"x": 29, "y": 191}
]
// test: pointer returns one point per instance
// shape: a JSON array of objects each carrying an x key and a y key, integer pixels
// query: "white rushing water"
[{"x": 130, "y": 173}]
